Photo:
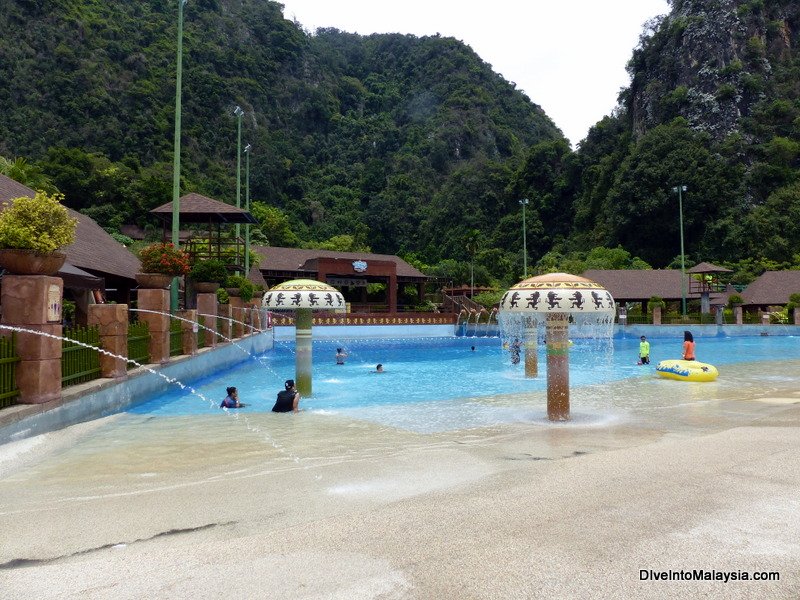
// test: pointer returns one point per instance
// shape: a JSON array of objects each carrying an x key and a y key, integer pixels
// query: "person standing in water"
[
  {"x": 688, "y": 346},
  {"x": 289, "y": 399},
  {"x": 232, "y": 399},
  {"x": 340, "y": 356},
  {"x": 644, "y": 351}
]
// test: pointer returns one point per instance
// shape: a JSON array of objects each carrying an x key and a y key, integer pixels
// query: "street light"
[
  {"x": 679, "y": 190},
  {"x": 247, "y": 208},
  {"x": 176, "y": 164},
  {"x": 239, "y": 114},
  {"x": 524, "y": 203}
]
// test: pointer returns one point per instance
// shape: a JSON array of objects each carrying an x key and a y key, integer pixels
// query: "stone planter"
[
  {"x": 205, "y": 287},
  {"x": 155, "y": 281},
  {"x": 30, "y": 262},
  {"x": 232, "y": 292}
]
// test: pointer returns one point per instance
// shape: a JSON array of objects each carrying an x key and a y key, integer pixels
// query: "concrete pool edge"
[{"x": 103, "y": 397}]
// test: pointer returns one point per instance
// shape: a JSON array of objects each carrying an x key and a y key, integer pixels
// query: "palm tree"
[{"x": 21, "y": 171}]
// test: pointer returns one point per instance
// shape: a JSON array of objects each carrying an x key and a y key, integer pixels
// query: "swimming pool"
[{"x": 424, "y": 378}]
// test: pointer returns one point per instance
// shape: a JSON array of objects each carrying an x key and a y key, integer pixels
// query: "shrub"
[
  {"x": 222, "y": 296},
  {"x": 656, "y": 301},
  {"x": 40, "y": 223},
  {"x": 212, "y": 270},
  {"x": 735, "y": 299},
  {"x": 164, "y": 258},
  {"x": 246, "y": 287}
]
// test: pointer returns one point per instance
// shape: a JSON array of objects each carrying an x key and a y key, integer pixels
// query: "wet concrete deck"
[{"x": 319, "y": 506}]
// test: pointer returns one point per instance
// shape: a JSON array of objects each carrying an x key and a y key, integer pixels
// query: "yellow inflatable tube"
[{"x": 687, "y": 370}]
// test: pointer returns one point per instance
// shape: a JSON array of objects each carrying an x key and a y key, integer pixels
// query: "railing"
[
  {"x": 78, "y": 363},
  {"x": 8, "y": 371},
  {"x": 456, "y": 303},
  {"x": 175, "y": 337},
  {"x": 323, "y": 318},
  {"x": 138, "y": 343}
]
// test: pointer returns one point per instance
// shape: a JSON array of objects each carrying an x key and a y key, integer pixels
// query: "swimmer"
[{"x": 232, "y": 399}]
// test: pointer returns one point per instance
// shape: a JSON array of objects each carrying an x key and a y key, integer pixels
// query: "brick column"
[
  {"x": 188, "y": 331},
  {"x": 34, "y": 302},
  {"x": 254, "y": 317},
  {"x": 224, "y": 310},
  {"x": 112, "y": 320},
  {"x": 156, "y": 300},
  {"x": 237, "y": 314},
  {"x": 656, "y": 315},
  {"x": 207, "y": 305}
]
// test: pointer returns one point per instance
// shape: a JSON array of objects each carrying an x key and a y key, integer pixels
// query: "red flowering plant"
[{"x": 164, "y": 258}]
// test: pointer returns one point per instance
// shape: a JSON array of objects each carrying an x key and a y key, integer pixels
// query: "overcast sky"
[{"x": 568, "y": 56}]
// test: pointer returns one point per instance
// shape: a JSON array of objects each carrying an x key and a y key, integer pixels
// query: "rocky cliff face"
[{"x": 711, "y": 62}]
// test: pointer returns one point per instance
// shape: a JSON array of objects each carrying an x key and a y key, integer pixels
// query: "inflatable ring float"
[{"x": 687, "y": 370}]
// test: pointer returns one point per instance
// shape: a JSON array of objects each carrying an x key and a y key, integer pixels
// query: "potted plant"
[
  {"x": 161, "y": 262},
  {"x": 31, "y": 232},
  {"x": 656, "y": 302},
  {"x": 208, "y": 275},
  {"x": 735, "y": 300},
  {"x": 238, "y": 285}
]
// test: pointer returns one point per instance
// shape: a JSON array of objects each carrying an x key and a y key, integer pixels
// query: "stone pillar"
[
  {"x": 719, "y": 314},
  {"x": 797, "y": 315},
  {"x": 255, "y": 318},
  {"x": 112, "y": 320},
  {"x": 656, "y": 315},
  {"x": 224, "y": 311},
  {"x": 737, "y": 313},
  {"x": 189, "y": 328},
  {"x": 157, "y": 301},
  {"x": 237, "y": 314},
  {"x": 303, "y": 321},
  {"x": 557, "y": 367},
  {"x": 207, "y": 308},
  {"x": 34, "y": 302},
  {"x": 531, "y": 359}
]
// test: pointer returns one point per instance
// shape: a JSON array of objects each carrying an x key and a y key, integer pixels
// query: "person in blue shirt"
[{"x": 232, "y": 399}]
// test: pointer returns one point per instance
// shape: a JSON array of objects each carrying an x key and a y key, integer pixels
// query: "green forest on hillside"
[{"x": 413, "y": 146}]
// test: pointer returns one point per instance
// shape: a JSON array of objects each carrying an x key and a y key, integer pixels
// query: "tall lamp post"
[
  {"x": 239, "y": 114},
  {"x": 679, "y": 190},
  {"x": 176, "y": 159},
  {"x": 247, "y": 208},
  {"x": 524, "y": 203}
]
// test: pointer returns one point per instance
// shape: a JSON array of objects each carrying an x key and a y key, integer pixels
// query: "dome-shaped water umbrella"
[
  {"x": 555, "y": 299},
  {"x": 303, "y": 296}
]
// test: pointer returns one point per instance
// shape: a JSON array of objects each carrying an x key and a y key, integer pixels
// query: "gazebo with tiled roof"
[
  {"x": 704, "y": 280},
  {"x": 199, "y": 209}
]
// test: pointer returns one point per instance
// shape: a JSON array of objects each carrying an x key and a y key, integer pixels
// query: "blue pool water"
[{"x": 438, "y": 370}]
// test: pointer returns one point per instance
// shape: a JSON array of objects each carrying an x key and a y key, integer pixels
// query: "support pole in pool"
[
  {"x": 303, "y": 296},
  {"x": 531, "y": 360},
  {"x": 303, "y": 321},
  {"x": 557, "y": 329},
  {"x": 556, "y": 299}
]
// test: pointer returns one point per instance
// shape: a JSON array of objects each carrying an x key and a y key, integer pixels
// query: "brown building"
[
  {"x": 95, "y": 260},
  {"x": 349, "y": 272}
]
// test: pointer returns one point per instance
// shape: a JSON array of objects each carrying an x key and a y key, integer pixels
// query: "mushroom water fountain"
[
  {"x": 303, "y": 296},
  {"x": 553, "y": 302}
]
